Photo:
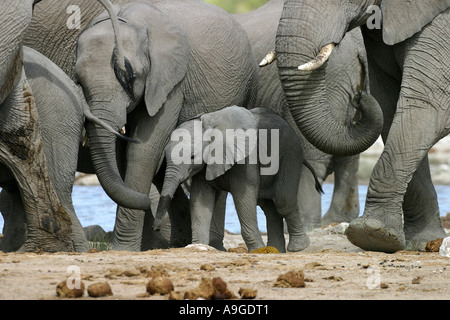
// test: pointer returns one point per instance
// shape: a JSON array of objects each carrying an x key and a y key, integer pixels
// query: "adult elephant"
[
  {"x": 59, "y": 106},
  {"x": 347, "y": 74},
  {"x": 150, "y": 67},
  {"x": 21, "y": 152},
  {"x": 54, "y": 31},
  {"x": 408, "y": 79}
]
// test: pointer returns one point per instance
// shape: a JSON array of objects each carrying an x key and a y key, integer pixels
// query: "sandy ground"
[{"x": 333, "y": 269}]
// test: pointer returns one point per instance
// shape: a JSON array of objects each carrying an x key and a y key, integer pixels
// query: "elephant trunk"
[
  {"x": 103, "y": 152},
  {"x": 171, "y": 182},
  {"x": 306, "y": 93}
]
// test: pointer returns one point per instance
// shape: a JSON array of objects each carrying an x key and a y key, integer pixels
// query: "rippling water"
[{"x": 93, "y": 206}]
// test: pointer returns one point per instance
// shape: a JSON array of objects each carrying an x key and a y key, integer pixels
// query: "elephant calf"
[{"x": 254, "y": 155}]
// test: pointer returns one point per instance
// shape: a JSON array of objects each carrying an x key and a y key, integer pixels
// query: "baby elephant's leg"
[
  {"x": 275, "y": 225},
  {"x": 298, "y": 239}
]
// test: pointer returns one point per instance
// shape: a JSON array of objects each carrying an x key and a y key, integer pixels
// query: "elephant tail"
[{"x": 318, "y": 186}]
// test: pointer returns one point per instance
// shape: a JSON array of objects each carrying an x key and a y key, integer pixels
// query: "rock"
[
  {"x": 247, "y": 293},
  {"x": 444, "y": 249},
  {"x": 267, "y": 249},
  {"x": 210, "y": 289},
  {"x": 238, "y": 250},
  {"x": 207, "y": 267},
  {"x": 63, "y": 291},
  {"x": 174, "y": 295},
  {"x": 160, "y": 285},
  {"x": 291, "y": 279},
  {"x": 416, "y": 280},
  {"x": 433, "y": 245},
  {"x": 99, "y": 289}
]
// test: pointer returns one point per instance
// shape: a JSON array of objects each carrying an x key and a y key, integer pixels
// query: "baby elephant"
[{"x": 254, "y": 155}]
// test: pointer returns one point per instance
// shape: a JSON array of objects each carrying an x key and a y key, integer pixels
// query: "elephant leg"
[
  {"x": 421, "y": 222},
  {"x": 202, "y": 202},
  {"x": 143, "y": 160},
  {"x": 21, "y": 150},
  {"x": 287, "y": 208},
  {"x": 216, "y": 232},
  {"x": 344, "y": 205},
  {"x": 420, "y": 121},
  {"x": 275, "y": 225},
  {"x": 245, "y": 201},
  {"x": 15, "y": 224}
]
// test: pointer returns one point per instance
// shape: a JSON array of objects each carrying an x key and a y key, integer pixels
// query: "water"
[{"x": 93, "y": 206}]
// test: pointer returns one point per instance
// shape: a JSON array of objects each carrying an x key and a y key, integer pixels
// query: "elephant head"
[
  {"x": 147, "y": 57},
  {"x": 308, "y": 32},
  {"x": 214, "y": 142}
]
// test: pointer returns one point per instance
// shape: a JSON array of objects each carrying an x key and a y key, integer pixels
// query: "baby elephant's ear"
[
  {"x": 235, "y": 134},
  {"x": 403, "y": 18},
  {"x": 169, "y": 58}
]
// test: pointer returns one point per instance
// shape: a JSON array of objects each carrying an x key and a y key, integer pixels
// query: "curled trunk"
[
  {"x": 307, "y": 97},
  {"x": 103, "y": 152}
]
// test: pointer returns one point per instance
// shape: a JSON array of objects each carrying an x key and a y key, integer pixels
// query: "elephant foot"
[
  {"x": 372, "y": 234},
  {"x": 417, "y": 234},
  {"x": 217, "y": 244},
  {"x": 298, "y": 243}
]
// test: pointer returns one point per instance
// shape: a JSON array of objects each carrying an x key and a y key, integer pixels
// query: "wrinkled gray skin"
[
  {"x": 54, "y": 22},
  {"x": 59, "y": 107},
  {"x": 48, "y": 225},
  {"x": 159, "y": 66},
  {"x": 275, "y": 193},
  {"x": 348, "y": 73},
  {"x": 409, "y": 81}
]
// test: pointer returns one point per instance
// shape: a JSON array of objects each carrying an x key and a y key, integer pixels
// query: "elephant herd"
[{"x": 105, "y": 92}]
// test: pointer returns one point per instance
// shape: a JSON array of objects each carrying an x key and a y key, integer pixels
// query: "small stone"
[
  {"x": 433, "y": 245},
  {"x": 246, "y": 293},
  {"x": 416, "y": 280},
  {"x": 63, "y": 291},
  {"x": 207, "y": 267},
  {"x": 209, "y": 289},
  {"x": 99, "y": 289},
  {"x": 267, "y": 249},
  {"x": 291, "y": 279},
  {"x": 160, "y": 285},
  {"x": 174, "y": 295},
  {"x": 238, "y": 250}
]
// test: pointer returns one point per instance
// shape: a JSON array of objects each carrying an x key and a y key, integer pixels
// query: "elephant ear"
[
  {"x": 403, "y": 18},
  {"x": 234, "y": 145},
  {"x": 169, "y": 55}
]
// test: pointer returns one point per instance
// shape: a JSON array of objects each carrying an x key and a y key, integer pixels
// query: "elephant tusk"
[
  {"x": 123, "y": 130},
  {"x": 85, "y": 140},
  {"x": 318, "y": 61},
  {"x": 268, "y": 59}
]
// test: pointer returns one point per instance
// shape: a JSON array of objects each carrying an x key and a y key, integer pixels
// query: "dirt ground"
[{"x": 332, "y": 267}]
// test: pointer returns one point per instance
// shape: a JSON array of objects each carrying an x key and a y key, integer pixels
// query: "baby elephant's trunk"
[{"x": 161, "y": 212}]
